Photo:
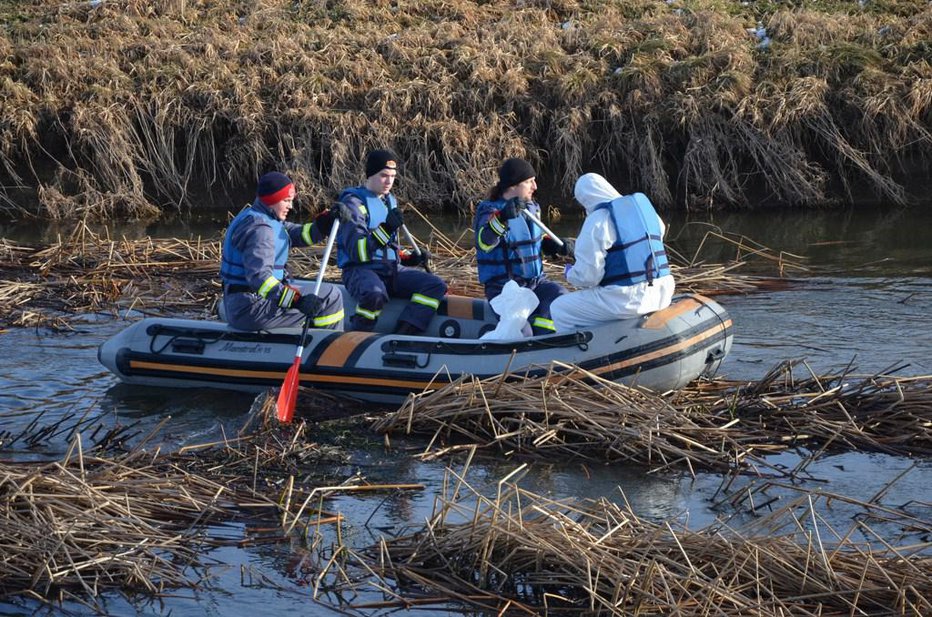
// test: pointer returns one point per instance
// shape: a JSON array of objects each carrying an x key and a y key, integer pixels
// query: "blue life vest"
[
  {"x": 517, "y": 254},
  {"x": 376, "y": 211},
  {"x": 638, "y": 254},
  {"x": 232, "y": 270}
]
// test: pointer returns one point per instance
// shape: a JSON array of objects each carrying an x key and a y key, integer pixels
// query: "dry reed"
[
  {"x": 569, "y": 413},
  {"x": 118, "y": 513},
  {"x": 92, "y": 272},
  {"x": 519, "y": 553},
  {"x": 114, "y": 109}
]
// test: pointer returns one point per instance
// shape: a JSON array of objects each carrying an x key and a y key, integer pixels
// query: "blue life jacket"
[
  {"x": 638, "y": 254},
  {"x": 517, "y": 254},
  {"x": 232, "y": 270},
  {"x": 376, "y": 211}
]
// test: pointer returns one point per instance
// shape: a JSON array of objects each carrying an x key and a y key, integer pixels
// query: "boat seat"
[{"x": 459, "y": 317}]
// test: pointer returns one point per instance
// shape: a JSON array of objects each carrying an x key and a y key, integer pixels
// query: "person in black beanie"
[
  {"x": 509, "y": 247},
  {"x": 257, "y": 294},
  {"x": 375, "y": 268}
]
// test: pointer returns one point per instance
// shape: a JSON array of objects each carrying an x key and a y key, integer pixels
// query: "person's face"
[
  {"x": 382, "y": 182},
  {"x": 282, "y": 208},
  {"x": 524, "y": 191}
]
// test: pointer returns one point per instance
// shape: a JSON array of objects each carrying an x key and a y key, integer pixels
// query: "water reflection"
[
  {"x": 863, "y": 241},
  {"x": 876, "y": 324}
]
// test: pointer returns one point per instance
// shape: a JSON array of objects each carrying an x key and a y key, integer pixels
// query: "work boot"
[{"x": 358, "y": 323}]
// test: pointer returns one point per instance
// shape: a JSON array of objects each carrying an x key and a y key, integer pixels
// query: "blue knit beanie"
[{"x": 273, "y": 187}]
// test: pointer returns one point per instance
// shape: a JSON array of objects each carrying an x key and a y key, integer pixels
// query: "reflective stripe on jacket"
[
  {"x": 517, "y": 254},
  {"x": 638, "y": 253}
]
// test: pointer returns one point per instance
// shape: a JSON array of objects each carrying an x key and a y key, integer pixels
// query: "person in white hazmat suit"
[{"x": 621, "y": 267}]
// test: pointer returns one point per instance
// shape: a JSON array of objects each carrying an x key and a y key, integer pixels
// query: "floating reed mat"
[
  {"x": 85, "y": 524},
  {"x": 519, "y": 553},
  {"x": 88, "y": 272},
  {"x": 143, "y": 521},
  {"x": 839, "y": 411},
  {"x": 568, "y": 412}
]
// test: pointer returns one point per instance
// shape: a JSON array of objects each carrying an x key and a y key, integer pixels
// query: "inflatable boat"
[{"x": 662, "y": 351}]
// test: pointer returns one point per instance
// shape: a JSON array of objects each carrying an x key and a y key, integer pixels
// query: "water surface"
[{"x": 864, "y": 303}]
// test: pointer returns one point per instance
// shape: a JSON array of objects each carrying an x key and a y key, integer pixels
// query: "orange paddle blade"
[{"x": 288, "y": 396}]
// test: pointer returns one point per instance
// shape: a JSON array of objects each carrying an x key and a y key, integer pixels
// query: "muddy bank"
[{"x": 130, "y": 109}]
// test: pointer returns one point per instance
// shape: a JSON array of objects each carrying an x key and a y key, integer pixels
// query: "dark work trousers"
[{"x": 372, "y": 287}]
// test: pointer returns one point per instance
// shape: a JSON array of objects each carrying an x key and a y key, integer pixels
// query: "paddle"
[
  {"x": 417, "y": 249},
  {"x": 540, "y": 224},
  {"x": 288, "y": 397}
]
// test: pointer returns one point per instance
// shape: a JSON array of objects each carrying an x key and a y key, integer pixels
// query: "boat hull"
[{"x": 661, "y": 351}]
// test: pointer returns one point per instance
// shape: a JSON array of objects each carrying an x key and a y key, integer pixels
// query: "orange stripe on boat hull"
[
  {"x": 341, "y": 348},
  {"x": 206, "y": 370},
  {"x": 279, "y": 375},
  {"x": 664, "y": 351},
  {"x": 411, "y": 384},
  {"x": 659, "y": 319},
  {"x": 459, "y": 307}
]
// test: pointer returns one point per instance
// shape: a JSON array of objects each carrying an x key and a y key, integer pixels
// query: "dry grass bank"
[{"x": 122, "y": 108}]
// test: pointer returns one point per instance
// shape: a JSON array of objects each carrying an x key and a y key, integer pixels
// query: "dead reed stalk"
[
  {"x": 569, "y": 413},
  {"x": 140, "y": 107},
  {"x": 517, "y": 552}
]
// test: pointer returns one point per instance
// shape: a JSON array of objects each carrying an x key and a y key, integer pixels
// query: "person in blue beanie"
[{"x": 257, "y": 294}]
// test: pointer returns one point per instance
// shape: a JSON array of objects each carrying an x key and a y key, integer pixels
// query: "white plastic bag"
[{"x": 513, "y": 306}]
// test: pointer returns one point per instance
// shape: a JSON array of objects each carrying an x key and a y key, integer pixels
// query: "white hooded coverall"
[{"x": 593, "y": 303}]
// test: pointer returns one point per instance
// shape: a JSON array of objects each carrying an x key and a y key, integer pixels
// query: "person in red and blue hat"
[
  {"x": 509, "y": 247},
  {"x": 257, "y": 294},
  {"x": 374, "y": 266}
]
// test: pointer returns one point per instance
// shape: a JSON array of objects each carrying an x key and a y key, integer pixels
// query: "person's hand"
[
  {"x": 309, "y": 304},
  {"x": 549, "y": 247},
  {"x": 510, "y": 210},
  {"x": 394, "y": 220},
  {"x": 413, "y": 258},
  {"x": 341, "y": 211},
  {"x": 324, "y": 221}
]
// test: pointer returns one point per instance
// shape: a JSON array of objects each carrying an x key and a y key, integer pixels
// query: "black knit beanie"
[
  {"x": 379, "y": 160},
  {"x": 514, "y": 171}
]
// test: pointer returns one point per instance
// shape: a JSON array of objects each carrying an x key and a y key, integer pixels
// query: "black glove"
[
  {"x": 510, "y": 210},
  {"x": 341, "y": 211},
  {"x": 309, "y": 304},
  {"x": 324, "y": 222},
  {"x": 550, "y": 247},
  {"x": 569, "y": 247},
  {"x": 413, "y": 258},
  {"x": 394, "y": 220}
]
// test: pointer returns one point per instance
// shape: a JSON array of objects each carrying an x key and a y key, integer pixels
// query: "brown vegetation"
[
  {"x": 520, "y": 553},
  {"x": 116, "y": 512},
  {"x": 569, "y": 413},
  {"x": 88, "y": 272},
  {"x": 115, "y": 109}
]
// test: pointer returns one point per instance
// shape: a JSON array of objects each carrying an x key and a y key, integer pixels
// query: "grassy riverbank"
[{"x": 119, "y": 109}]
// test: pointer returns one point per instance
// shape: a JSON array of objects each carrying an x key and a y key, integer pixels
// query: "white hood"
[{"x": 593, "y": 190}]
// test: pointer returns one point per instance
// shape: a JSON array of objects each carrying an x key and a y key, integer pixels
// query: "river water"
[{"x": 865, "y": 301}]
